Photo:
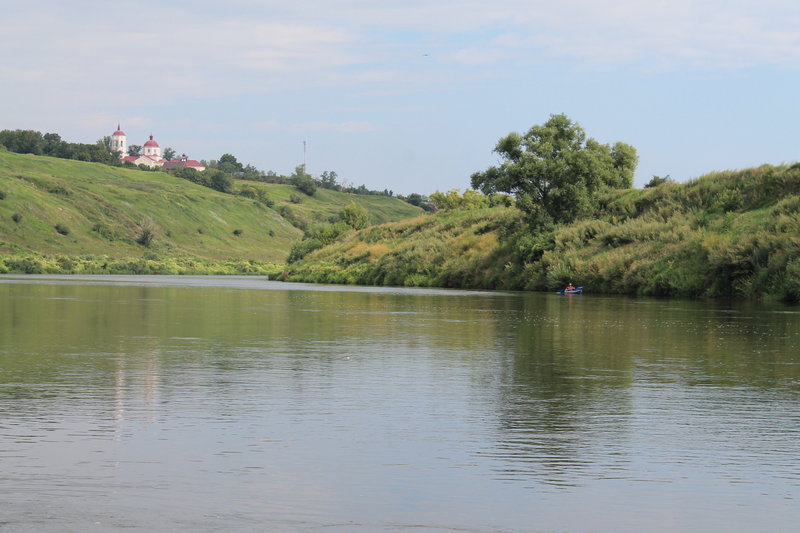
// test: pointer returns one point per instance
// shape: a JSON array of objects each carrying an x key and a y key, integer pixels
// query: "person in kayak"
[{"x": 570, "y": 287}]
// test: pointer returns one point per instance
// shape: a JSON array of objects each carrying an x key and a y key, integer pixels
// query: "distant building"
[
  {"x": 151, "y": 154},
  {"x": 184, "y": 162}
]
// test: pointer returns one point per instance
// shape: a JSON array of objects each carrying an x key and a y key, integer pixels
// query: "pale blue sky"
[{"x": 410, "y": 96}]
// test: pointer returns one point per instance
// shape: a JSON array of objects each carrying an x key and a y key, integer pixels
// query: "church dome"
[
  {"x": 151, "y": 142},
  {"x": 118, "y": 132}
]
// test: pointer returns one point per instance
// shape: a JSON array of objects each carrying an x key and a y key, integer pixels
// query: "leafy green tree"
[
  {"x": 415, "y": 199},
  {"x": 169, "y": 154},
  {"x": 22, "y": 141},
  {"x": 327, "y": 180},
  {"x": 303, "y": 181},
  {"x": 218, "y": 180},
  {"x": 354, "y": 216},
  {"x": 554, "y": 171},
  {"x": 52, "y": 144},
  {"x": 105, "y": 143},
  {"x": 452, "y": 200},
  {"x": 228, "y": 163},
  {"x": 134, "y": 149},
  {"x": 249, "y": 172}
]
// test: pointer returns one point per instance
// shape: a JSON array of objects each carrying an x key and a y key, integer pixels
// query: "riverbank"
[
  {"x": 728, "y": 234},
  {"x": 147, "y": 264}
]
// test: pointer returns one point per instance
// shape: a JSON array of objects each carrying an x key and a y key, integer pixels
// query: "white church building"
[{"x": 151, "y": 154}]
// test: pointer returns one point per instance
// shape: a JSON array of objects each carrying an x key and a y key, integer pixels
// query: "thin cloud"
[{"x": 321, "y": 126}]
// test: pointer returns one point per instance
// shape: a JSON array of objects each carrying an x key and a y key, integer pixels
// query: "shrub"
[
  {"x": 16, "y": 217},
  {"x": 354, "y": 216},
  {"x": 104, "y": 231},
  {"x": 658, "y": 180},
  {"x": 238, "y": 232},
  {"x": 61, "y": 229},
  {"x": 147, "y": 232}
]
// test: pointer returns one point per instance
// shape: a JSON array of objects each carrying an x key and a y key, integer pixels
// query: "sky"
[{"x": 410, "y": 96}]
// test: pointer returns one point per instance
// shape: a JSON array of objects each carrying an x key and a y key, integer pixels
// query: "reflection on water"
[{"x": 211, "y": 404}]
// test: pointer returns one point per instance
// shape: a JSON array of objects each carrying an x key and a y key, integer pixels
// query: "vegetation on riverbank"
[
  {"x": 733, "y": 233},
  {"x": 149, "y": 263}
]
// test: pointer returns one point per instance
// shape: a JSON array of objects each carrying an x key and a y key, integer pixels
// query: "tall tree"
[
  {"x": 169, "y": 154},
  {"x": 228, "y": 163},
  {"x": 327, "y": 180},
  {"x": 555, "y": 171},
  {"x": 105, "y": 143},
  {"x": 134, "y": 149},
  {"x": 303, "y": 181},
  {"x": 22, "y": 141}
]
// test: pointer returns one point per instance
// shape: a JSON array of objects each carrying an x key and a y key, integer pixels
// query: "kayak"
[{"x": 577, "y": 290}]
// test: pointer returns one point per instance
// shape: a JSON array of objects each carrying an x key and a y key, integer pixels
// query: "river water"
[{"x": 240, "y": 404}]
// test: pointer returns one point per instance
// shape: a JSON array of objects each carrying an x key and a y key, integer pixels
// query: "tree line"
[{"x": 51, "y": 144}]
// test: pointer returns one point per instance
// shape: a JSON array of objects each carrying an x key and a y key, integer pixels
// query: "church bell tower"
[{"x": 119, "y": 142}]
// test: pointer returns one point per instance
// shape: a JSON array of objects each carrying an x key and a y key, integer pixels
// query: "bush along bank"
[{"x": 147, "y": 264}]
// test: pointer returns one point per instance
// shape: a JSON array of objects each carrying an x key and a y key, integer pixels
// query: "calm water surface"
[{"x": 237, "y": 404}]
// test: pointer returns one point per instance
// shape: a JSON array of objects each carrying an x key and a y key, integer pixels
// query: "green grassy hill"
[
  {"x": 734, "y": 233},
  {"x": 325, "y": 203},
  {"x": 53, "y": 207}
]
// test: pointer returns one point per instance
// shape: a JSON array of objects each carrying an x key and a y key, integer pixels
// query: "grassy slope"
[
  {"x": 105, "y": 208},
  {"x": 325, "y": 203},
  {"x": 452, "y": 249},
  {"x": 725, "y": 234}
]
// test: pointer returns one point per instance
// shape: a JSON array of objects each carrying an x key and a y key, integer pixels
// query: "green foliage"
[
  {"x": 555, "y": 172},
  {"x": 150, "y": 263},
  {"x": 327, "y": 180},
  {"x": 303, "y": 181},
  {"x": 238, "y": 232},
  {"x": 415, "y": 199},
  {"x": 16, "y": 217},
  {"x": 354, "y": 216},
  {"x": 286, "y": 212},
  {"x": 104, "y": 231},
  {"x": 258, "y": 194},
  {"x": 454, "y": 249},
  {"x": 50, "y": 144},
  {"x": 315, "y": 237},
  {"x": 22, "y": 141},
  {"x": 62, "y": 229},
  {"x": 218, "y": 180},
  {"x": 658, "y": 180},
  {"x": 147, "y": 232},
  {"x": 2, "y": 195},
  {"x": 228, "y": 164},
  {"x": 453, "y": 200}
]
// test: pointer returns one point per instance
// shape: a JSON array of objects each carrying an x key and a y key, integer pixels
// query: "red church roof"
[
  {"x": 118, "y": 132},
  {"x": 188, "y": 163},
  {"x": 151, "y": 142}
]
